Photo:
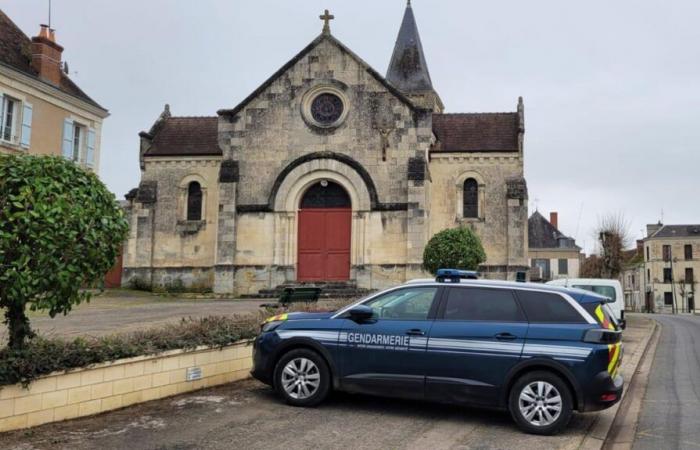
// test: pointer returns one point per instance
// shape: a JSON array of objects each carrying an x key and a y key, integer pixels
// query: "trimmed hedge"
[{"x": 42, "y": 356}]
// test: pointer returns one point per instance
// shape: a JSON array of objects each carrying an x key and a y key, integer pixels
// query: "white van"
[{"x": 607, "y": 288}]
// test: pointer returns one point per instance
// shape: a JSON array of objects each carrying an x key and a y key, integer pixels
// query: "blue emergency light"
[{"x": 455, "y": 275}]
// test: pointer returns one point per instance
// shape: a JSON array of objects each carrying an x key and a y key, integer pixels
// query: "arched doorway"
[{"x": 325, "y": 214}]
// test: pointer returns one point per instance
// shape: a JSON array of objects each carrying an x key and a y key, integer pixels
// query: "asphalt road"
[{"x": 670, "y": 416}]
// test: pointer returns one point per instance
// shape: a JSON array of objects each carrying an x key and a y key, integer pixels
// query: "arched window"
[
  {"x": 471, "y": 198},
  {"x": 194, "y": 201}
]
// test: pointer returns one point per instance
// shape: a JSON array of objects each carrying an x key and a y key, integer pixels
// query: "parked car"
[
  {"x": 538, "y": 351},
  {"x": 608, "y": 288}
]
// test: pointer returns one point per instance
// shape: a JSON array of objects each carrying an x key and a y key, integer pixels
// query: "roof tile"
[
  {"x": 186, "y": 136},
  {"x": 476, "y": 132}
]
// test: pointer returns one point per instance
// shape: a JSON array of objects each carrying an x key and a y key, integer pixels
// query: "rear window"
[
  {"x": 606, "y": 291},
  {"x": 543, "y": 307},
  {"x": 482, "y": 304},
  {"x": 602, "y": 313}
]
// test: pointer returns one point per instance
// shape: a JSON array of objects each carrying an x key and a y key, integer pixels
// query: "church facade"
[{"x": 328, "y": 172}]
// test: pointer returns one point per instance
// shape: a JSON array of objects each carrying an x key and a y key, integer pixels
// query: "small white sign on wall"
[{"x": 193, "y": 373}]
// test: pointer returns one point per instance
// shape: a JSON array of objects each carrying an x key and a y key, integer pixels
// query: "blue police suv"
[{"x": 538, "y": 351}]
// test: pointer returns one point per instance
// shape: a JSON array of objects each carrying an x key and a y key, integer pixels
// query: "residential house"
[
  {"x": 671, "y": 265},
  {"x": 551, "y": 253},
  {"x": 43, "y": 112}
]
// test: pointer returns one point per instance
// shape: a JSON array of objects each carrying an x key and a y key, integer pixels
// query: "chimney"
[
  {"x": 653, "y": 228},
  {"x": 46, "y": 55},
  {"x": 554, "y": 219}
]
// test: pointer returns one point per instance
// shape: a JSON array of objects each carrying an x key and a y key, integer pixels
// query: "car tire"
[
  {"x": 541, "y": 403},
  {"x": 302, "y": 377}
]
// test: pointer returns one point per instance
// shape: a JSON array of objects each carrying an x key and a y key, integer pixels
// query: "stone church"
[{"x": 327, "y": 172}]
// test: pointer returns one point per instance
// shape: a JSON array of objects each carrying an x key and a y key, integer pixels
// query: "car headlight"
[{"x": 270, "y": 326}]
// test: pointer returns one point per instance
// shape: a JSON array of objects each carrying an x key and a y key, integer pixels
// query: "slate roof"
[
  {"x": 671, "y": 231},
  {"x": 15, "y": 52},
  {"x": 408, "y": 69},
  {"x": 476, "y": 132},
  {"x": 184, "y": 136},
  {"x": 542, "y": 234}
]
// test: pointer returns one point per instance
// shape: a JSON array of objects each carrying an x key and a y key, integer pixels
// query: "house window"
[
  {"x": 8, "y": 118},
  {"x": 542, "y": 266},
  {"x": 667, "y": 275},
  {"x": 668, "y": 298},
  {"x": 78, "y": 143},
  {"x": 688, "y": 250},
  {"x": 471, "y": 198},
  {"x": 648, "y": 258},
  {"x": 194, "y": 201},
  {"x": 563, "y": 266},
  {"x": 689, "y": 276},
  {"x": 667, "y": 252},
  {"x": 648, "y": 276}
]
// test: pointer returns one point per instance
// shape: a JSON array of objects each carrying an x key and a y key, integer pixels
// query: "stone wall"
[
  {"x": 164, "y": 250},
  {"x": 502, "y": 221},
  {"x": 84, "y": 392}
]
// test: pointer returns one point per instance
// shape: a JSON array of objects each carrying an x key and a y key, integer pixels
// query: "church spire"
[{"x": 408, "y": 70}]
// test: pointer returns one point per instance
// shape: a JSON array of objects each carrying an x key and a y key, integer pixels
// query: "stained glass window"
[
  {"x": 326, "y": 108},
  {"x": 471, "y": 198},
  {"x": 194, "y": 201}
]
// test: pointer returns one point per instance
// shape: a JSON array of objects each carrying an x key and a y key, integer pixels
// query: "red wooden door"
[{"x": 324, "y": 244}]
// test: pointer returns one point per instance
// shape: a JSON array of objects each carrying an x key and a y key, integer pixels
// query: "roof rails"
[{"x": 455, "y": 275}]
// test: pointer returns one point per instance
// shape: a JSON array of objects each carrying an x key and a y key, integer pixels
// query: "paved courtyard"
[
  {"x": 248, "y": 415},
  {"x": 122, "y": 311}
]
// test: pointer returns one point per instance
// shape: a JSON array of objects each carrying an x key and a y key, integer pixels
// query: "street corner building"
[{"x": 328, "y": 173}]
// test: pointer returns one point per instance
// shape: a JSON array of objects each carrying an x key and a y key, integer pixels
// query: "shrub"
[
  {"x": 41, "y": 356},
  {"x": 454, "y": 248},
  {"x": 60, "y": 229}
]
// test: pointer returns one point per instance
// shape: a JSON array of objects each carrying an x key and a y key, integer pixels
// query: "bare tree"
[{"x": 613, "y": 238}]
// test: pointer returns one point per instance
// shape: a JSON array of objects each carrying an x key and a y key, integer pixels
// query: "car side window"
[
  {"x": 544, "y": 307},
  {"x": 404, "y": 304},
  {"x": 482, "y": 304}
]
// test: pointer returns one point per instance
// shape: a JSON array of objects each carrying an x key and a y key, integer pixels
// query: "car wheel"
[
  {"x": 302, "y": 377},
  {"x": 540, "y": 403}
]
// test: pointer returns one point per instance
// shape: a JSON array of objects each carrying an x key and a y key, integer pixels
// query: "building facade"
[
  {"x": 43, "y": 112},
  {"x": 328, "y": 172},
  {"x": 671, "y": 268},
  {"x": 551, "y": 254},
  {"x": 633, "y": 280}
]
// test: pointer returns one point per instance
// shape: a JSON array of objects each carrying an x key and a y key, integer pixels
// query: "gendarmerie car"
[{"x": 539, "y": 351}]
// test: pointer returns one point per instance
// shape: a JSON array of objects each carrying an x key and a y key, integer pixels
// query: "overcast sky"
[{"x": 611, "y": 88}]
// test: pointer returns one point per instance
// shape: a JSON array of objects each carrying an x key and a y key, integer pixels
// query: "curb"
[{"x": 597, "y": 435}]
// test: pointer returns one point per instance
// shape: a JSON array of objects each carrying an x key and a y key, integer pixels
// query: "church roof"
[
  {"x": 542, "y": 234},
  {"x": 408, "y": 69},
  {"x": 476, "y": 132},
  {"x": 185, "y": 136},
  {"x": 302, "y": 54},
  {"x": 15, "y": 52}
]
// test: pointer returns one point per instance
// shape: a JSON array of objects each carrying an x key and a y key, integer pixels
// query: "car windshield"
[{"x": 606, "y": 291}]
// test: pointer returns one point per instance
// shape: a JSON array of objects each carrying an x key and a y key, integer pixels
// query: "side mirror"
[{"x": 360, "y": 313}]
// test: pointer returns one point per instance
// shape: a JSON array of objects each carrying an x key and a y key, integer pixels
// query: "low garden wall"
[{"x": 108, "y": 386}]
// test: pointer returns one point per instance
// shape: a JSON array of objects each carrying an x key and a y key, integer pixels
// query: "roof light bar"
[{"x": 455, "y": 275}]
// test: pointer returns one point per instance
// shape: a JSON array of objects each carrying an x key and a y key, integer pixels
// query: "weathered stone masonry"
[{"x": 402, "y": 168}]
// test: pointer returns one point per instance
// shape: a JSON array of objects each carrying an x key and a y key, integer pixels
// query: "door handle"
[
  {"x": 506, "y": 337},
  {"x": 415, "y": 332}
]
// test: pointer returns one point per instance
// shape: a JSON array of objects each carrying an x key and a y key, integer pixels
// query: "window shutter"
[
  {"x": 67, "y": 149},
  {"x": 90, "y": 160},
  {"x": 26, "y": 136},
  {"x": 3, "y": 100}
]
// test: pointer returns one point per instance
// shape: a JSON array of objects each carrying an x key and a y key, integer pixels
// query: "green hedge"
[{"x": 42, "y": 356}]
